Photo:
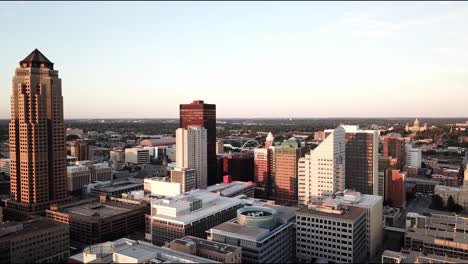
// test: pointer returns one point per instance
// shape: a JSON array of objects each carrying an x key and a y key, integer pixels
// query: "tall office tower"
[
  {"x": 37, "y": 136},
  {"x": 394, "y": 146},
  {"x": 262, "y": 168},
  {"x": 395, "y": 192},
  {"x": 322, "y": 172},
  {"x": 362, "y": 150},
  {"x": 200, "y": 114},
  {"x": 80, "y": 150},
  {"x": 191, "y": 144},
  {"x": 284, "y": 172},
  {"x": 413, "y": 156}
]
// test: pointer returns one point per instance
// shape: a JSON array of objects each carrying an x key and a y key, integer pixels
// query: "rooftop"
[
  {"x": 101, "y": 210},
  {"x": 36, "y": 60},
  {"x": 229, "y": 189},
  {"x": 350, "y": 213},
  {"x": 28, "y": 227},
  {"x": 207, "y": 244}
]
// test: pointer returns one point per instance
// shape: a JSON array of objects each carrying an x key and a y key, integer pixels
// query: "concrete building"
[
  {"x": 413, "y": 156},
  {"x": 80, "y": 150},
  {"x": 38, "y": 240},
  {"x": 422, "y": 185},
  {"x": 36, "y": 137},
  {"x": 114, "y": 189},
  {"x": 409, "y": 256},
  {"x": 208, "y": 249},
  {"x": 284, "y": 172},
  {"x": 331, "y": 231},
  {"x": 137, "y": 156},
  {"x": 187, "y": 178},
  {"x": 322, "y": 172},
  {"x": 162, "y": 186},
  {"x": 93, "y": 221},
  {"x": 125, "y": 250},
  {"x": 240, "y": 166},
  {"x": 191, "y": 152},
  {"x": 158, "y": 142},
  {"x": 77, "y": 177},
  {"x": 394, "y": 146},
  {"x": 5, "y": 166},
  {"x": 191, "y": 214},
  {"x": 459, "y": 194},
  {"x": 374, "y": 214},
  {"x": 361, "y": 160},
  {"x": 198, "y": 113},
  {"x": 439, "y": 233},
  {"x": 395, "y": 190},
  {"x": 265, "y": 233},
  {"x": 229, "y": 188},
  {"x": 117, "y": 158}
]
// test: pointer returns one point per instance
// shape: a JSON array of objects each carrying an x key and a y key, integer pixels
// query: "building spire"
[{"x": 36, "y": 60}]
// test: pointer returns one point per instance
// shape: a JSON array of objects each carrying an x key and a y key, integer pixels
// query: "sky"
[{"x": 251, "y": 59}]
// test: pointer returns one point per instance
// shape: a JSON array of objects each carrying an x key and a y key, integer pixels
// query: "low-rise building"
[
  {"x": 93, "y": 221},
  {"x": 332, "y": 231},
  {"x": 5, "y": 166},
  {"x": 137, "y": 156},
  {"x": 229, "y": 188},
  {"x": 38, "y": 240},
  {"x": 422, "y": 185},
  {"x": 191, "y": 214},
  {"x": 125, "y": 250},
  {"x": 162, "y": 186},
  {"x": 207, "y": 249},
  {"x": 114, "y": 189},
  {"x": 409, "y": 256},
  {"x": 187, "y": 178},
  {"x": 265, "y": 233}
]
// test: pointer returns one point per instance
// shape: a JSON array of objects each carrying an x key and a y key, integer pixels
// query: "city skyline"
[{"x": 260, "y": 60}]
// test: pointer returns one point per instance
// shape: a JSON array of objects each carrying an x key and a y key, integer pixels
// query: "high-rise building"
[
  {"x": 394, "y": 146},
  {"x": 263, "y": 166},
  {"x": 198, "y": 113},
  {"x": 219, "y": 147},
  {"x": 395, "y": 192},
  {"x": 191, "y": 144},
  {"x": 37, "y": 137},
  {"x": 362, "y": 149},
  {"x": 322, "y": 172},
  {"x": 413, "y": 156},
  {"x": 331, "y": 231},
  {"x": 80, "y": 150},
  {"x": 284, "y": 173}
]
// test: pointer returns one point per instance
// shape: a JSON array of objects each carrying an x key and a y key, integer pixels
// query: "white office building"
[
  {"x": 137, "y": 156},
  {"x": 321, "y": 173},
  {"x": 161, "y": 186},
  {"x": 191, "y": 144},
  {"x": 413, "y": 156}
]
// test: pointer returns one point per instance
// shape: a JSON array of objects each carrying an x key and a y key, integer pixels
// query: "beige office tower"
[
  {"x": 191, "y": 152},
  {"x": 37, "y": 136},
  {"x": 322, "y": 172}
]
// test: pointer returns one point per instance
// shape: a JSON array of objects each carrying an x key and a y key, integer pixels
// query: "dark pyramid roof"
[{"x": 35, "y": 59}]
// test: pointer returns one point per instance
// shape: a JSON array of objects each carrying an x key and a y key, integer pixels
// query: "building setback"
[
  {"x": 36, "y": 137},
  {"x": 198, "y": 113},
  {"x": 33, "y": 241},
  {"x": 95, "y": 222},
  {"x": 331, "y": 231}
]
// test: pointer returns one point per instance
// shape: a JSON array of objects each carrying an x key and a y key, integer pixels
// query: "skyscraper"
[
  {"x": 362, "y": 149},
  {"x": 262, "y": 168},
  {"x": 322, "y": 172},
  {"x": 198, "y": 113},
  {"x": 191, "y": 144},
  {"x": 37, "y": 136},
  {"x": 394, "y": 146},
  {"x": 284, "y": 171},
  {"x": 80, "y": 150}
]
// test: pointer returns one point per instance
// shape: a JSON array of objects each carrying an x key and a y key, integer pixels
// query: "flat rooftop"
[
  {"x": 207, "y": 244},
  {"x": 100, "y": 210},
  {"x": 352, "y": 213},
  {"x": 30, "y": 226},
  {"x": 227, "y": 189}
]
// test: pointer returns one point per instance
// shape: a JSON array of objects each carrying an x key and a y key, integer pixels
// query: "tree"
[{"x": 437, "y": 203}]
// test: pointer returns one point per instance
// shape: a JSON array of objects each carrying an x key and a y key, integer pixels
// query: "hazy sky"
[{"x": 252, "y": 59}]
